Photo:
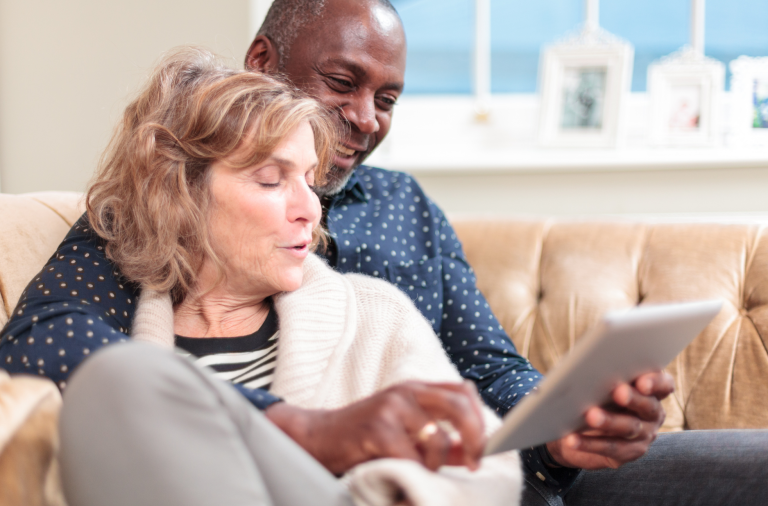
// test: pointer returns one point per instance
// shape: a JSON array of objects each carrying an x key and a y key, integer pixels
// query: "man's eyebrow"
[
  {"x": 350, "y": 65},
  {"x": 360, "y": 72}
]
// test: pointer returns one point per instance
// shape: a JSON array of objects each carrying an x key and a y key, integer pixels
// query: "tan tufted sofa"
[
  {"x": 31, "y": 227},
  {"x": 547, "y": 280}
]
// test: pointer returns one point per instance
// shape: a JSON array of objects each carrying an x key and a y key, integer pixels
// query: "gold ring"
[
  {"x": 426, "y": 432},
  {"x": 635, "y": 434}
]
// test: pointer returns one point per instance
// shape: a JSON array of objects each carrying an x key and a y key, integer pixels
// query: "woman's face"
[{"x": 263, "y": 216}]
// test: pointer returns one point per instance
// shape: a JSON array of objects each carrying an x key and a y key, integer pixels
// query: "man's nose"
[{"x": 362, "y": 114}]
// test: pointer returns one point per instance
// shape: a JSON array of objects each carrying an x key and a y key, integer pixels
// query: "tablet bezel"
[{"x": 622, "y": 346}]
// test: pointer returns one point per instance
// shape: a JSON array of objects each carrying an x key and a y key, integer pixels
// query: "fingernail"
[
  {"x": 573, "y": 441},
  {"x": 599, "y": 418}
]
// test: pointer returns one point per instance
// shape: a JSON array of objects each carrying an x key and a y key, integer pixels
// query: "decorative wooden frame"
[
  {"x": 749, "y": 75},
  {"x": 686, "y": 72},
  {"x": 592, "y": 50}
]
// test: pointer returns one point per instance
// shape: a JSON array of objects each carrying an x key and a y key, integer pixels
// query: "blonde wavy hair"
[{"x": 150, "y": 198}]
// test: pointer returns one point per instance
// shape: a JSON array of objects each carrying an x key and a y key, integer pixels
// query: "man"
[
  {"x": 352, "y": 58},
  {"x": 350, "y": 55}
]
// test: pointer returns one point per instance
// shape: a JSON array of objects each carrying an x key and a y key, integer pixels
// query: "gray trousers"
[
  {"x": 142, "y": 426},
  {"x": 697, "y": 468}
]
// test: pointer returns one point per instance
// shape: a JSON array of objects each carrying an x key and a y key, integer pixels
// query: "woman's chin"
[{"x": 291, "y": 280}]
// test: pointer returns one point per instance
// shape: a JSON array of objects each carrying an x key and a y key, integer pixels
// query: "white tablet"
[{"x": 622, "y": 346}]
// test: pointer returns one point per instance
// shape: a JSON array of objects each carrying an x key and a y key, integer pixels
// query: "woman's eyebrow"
[
  {"x": 281, "y": 161},
  {"x": 287, "y": 163}
]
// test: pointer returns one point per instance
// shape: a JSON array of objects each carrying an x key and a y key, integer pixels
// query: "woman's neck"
[{"x": 216, "y": 314}]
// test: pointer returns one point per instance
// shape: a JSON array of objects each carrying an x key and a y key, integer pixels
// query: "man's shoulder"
[
  {"x": 385, "y": 184},
  {"x": 378, "y": 176}
]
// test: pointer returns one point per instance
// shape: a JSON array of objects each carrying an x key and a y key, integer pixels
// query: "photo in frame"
[
  {"x": 749, "y": 102},
  {"x": 686, "y": 90},
  {"x": 584, "y": 82}
]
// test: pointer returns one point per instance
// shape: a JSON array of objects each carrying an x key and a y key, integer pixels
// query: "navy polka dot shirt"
[{"x": 382, "y": 224}]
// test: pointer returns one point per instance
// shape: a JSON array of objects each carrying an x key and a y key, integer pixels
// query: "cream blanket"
[
  {"x": 343, "y": 338},
  {"x": 29, "y": 442}
]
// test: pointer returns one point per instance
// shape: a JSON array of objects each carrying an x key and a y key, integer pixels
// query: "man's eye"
[
  {"x": 339, "y": 82},
  {"x": 387, "y": 103}
]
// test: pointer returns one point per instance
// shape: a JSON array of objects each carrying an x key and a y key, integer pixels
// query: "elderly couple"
[{"x": 206, "y": 234}]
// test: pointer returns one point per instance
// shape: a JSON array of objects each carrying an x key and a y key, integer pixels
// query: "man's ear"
[{"x": 262, "y": 55}]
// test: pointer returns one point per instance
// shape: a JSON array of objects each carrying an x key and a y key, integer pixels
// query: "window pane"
[
  {"x": 440, "y": 36},
  {"x": 519, "y": 29},
  {"x": 655, "y": 27},
  {"x": 440, "y": 39},
  {"x": 736, "y": 28}
]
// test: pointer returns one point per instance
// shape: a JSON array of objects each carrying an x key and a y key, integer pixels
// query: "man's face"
[{"x": 352, "y": 60}]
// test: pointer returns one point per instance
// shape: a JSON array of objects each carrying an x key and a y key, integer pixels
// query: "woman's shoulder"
[
  {"x": 318, "y": 273},
  {"x": 365, "y": 284}
]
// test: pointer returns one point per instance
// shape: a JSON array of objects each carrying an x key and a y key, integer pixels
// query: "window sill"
[{"x": 439, "y": 134}]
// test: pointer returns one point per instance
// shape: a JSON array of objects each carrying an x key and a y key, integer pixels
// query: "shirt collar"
[{"x": 354, "y": 188}]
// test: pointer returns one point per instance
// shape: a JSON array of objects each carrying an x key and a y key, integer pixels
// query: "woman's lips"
[{"x": 299, "y": 251}]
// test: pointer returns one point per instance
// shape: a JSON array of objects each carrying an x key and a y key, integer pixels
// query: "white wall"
[
  {"x": 67, "y": 69},
  {"x": 692, "y": 191}
]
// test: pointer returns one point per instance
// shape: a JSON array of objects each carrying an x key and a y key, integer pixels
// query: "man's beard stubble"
[{"x": 335, "y": 181}]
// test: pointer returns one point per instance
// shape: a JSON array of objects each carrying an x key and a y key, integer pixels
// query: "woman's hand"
[
  {"x": 397, "y": 422},
  {"x": 620, "y": 433}
]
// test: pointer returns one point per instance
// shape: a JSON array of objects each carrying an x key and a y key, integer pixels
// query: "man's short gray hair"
[{"x": 286, "y": 17}]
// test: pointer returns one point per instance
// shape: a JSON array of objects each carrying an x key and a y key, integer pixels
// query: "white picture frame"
[
  {"x": 584, "y": 83},
  {"x": 686, "y": 90},
  {"x": 749, "y": 102}
]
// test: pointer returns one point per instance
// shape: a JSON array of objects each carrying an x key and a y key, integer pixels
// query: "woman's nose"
[{"x": 304, "y": 204}]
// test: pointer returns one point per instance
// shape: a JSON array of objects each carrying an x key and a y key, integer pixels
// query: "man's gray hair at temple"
[{"x": 286, "y": 17}]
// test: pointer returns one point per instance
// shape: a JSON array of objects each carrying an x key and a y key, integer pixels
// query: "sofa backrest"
[
  {"x": 548, "y": 281},
  {"x": 31, "y": 227}
]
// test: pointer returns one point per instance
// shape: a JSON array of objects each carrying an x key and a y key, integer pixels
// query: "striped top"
[{"x": 248, "y": 360}]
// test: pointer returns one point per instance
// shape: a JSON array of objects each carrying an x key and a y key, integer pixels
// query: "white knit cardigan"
[{"x": 343, "y": 338}]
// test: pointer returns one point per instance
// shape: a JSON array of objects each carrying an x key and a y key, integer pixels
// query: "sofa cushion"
[
  {"x": 32, "y": 227},
  {"x": 548, "y": 281}
]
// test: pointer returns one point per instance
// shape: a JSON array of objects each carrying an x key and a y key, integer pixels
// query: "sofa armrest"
[{"x": 29, "y": 442}]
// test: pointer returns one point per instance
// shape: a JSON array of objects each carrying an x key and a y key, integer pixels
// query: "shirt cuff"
[
  {"x": 261, "y": 399},
  {"x": 558, "y": 479}
]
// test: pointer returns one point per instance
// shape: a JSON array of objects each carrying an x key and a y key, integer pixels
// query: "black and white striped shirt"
[{"x": 247, "y": 360}]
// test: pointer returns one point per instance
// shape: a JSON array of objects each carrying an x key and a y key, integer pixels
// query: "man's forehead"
[
  {"x": 360, "y": 25},
  {"x": 355, "y": 41}
]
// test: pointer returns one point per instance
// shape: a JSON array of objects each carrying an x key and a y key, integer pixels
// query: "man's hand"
[
  {"x": 620, "y": 432},
  {"x": 397, "y": 422}
]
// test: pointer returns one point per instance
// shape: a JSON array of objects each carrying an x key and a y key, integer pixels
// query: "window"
[{"x": 440, "y": 37}]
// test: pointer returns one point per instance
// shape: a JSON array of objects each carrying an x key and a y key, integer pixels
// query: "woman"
[{"x": 205, "y": 200}]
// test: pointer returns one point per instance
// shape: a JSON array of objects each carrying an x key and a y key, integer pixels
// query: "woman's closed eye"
[
  {"x": 268, "y": 177},
  {"x": 310, "y": 178}
]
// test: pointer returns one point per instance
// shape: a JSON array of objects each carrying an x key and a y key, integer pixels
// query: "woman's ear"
[{"x": 262, "y": 55}]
